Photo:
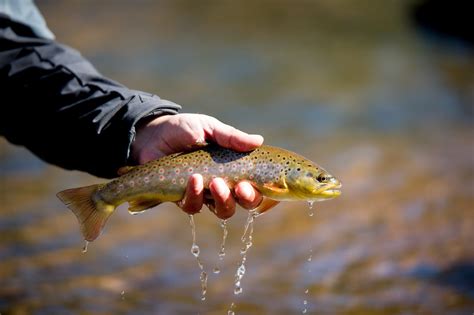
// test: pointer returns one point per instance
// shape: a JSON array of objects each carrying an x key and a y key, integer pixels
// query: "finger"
[
  {"x": 194, "y": 196},
  {"x": 229, "y": 137},
  {"x": 224, "y": 202},
  {"x": 247, "y": 196}
]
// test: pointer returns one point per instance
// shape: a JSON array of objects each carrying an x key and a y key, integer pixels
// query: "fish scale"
[{"x": 279, "y": 174}]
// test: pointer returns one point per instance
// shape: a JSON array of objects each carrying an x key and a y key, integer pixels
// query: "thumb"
[{"x": 231, "y": 138}]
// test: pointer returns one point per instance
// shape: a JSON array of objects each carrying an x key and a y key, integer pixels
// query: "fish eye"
[{"x": 323, "y": 178}]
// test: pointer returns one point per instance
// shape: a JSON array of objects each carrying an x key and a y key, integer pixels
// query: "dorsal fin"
[{"x": 125, "y": 170}]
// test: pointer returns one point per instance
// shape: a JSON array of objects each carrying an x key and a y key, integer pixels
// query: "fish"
[{"x": 279, "y": 175}]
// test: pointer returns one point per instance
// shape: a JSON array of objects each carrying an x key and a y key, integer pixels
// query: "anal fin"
[
  {"x": 266, "y": 205},
  {"x": 276, "y": 188},
  {"x": 139, "y": 205}
]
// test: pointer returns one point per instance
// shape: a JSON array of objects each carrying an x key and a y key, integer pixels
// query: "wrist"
[{"x": 147, "y": 133}]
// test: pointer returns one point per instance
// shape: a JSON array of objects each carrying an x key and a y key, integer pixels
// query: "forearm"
[{"x": 57, "y": 105}]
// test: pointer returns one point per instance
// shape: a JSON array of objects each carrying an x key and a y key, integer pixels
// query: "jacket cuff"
[{"x": 145, "y": 105}]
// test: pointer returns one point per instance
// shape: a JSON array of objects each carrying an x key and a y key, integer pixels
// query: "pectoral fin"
[
  {"x": 266, "y": 205},
  {"x": 276, "y": 188},
  {"x": 139, "y": 205}
]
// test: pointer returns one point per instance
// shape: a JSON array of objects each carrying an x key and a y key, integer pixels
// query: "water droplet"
[
  {"x": 305, "y": 302},
  {"x": 241, "y": 270},
  {"x": 310, "y": 209},
  {"x": 84, "y": 248},
  {"x": 122, "y": 294},
  {"x": 231, "y": 309},
  {"x": 224, "y": 237},
  {"x": 221, "y": 253},
  {"x": 203, "y": 278},
  {"x": 195, "y": 250},
  {"x": 247, "y": 241},
  {"x": 237, "y": 290}
]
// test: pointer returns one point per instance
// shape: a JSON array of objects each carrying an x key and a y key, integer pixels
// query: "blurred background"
[{"x": 380, "y": 93}]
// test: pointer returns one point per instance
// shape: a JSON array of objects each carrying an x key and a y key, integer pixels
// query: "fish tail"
[{"x": 91, "y": 211}]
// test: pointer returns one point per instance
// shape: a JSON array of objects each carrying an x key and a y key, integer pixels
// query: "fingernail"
[
  {"x": 218, "y": 185},
  {"x": 245, "y": 190},
  {"x": 257, "y": 136}
]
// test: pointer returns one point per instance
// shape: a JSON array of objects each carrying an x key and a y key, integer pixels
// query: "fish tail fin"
[{"x": 91, "y": 212}]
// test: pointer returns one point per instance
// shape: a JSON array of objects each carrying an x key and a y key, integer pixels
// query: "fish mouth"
[
  {"x": 330, "y": 193},
  {"x": 330, "y": 190}
]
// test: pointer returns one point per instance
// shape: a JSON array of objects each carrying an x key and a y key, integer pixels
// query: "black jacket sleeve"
[{"x": 56, "y": 104}]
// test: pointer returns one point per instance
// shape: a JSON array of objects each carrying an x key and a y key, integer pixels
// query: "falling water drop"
[
  {"x": 196, "y": 251},
  {"x": 231, "y": 309},
  {"x": 224, "y": 237},
  {"x": 203, "y": 278},
  {"x": 237, "y": 289},
  {"x": 310, "y": 209},
  {"x": 221, "y": 254},
  {"x": 246, "y": 238},
  {"x": 309, "y": 260},
  {"x": 122, "y": 295},
  {"x": 84, "y": 248},
  {"x": 305, "y": 310}
]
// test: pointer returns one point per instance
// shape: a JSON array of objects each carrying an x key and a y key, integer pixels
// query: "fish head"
[{"x": 312, "y": 183}]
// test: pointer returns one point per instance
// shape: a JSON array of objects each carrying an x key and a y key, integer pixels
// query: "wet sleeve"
[{"x": 58, "y": 106}]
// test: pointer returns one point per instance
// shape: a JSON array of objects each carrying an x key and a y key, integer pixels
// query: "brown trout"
[{"x": 280, "y": 175}]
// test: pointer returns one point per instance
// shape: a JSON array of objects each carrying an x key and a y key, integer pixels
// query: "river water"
[{"x": 355, "y": 86}]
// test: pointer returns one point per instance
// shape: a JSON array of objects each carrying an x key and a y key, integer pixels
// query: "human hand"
[{"x": 164, "y": 135}]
